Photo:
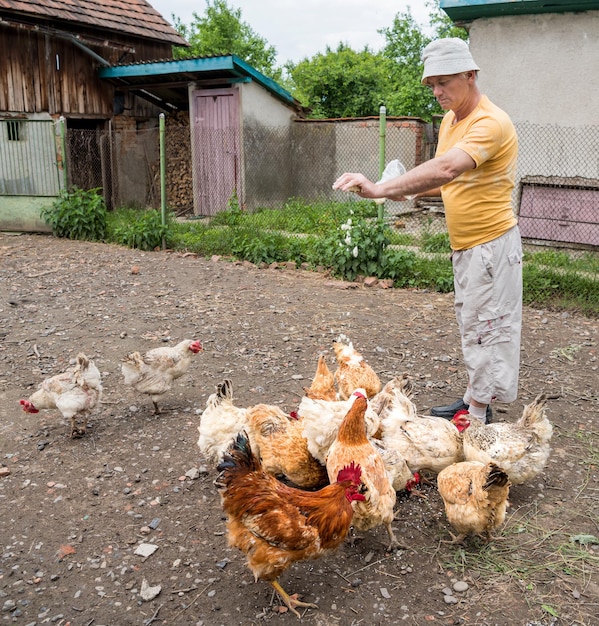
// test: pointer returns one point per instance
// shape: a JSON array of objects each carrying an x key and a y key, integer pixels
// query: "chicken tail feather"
[
  {"x": 239, "y": 459},
  {"x": 496, "y": 477}
]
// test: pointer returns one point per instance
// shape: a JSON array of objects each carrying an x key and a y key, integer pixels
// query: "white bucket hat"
[{"x": 447, "y": 56}]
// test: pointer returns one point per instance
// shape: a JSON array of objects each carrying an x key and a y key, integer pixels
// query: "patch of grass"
[
  {"x": 141, "y": 229},
  {"x": 530, "y": 557},
  {"x": 545, "y": 287},
  {"x": 312, "y": 232}
]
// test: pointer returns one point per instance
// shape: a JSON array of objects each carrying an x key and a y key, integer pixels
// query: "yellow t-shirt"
[{"x": 478, "y": 203}]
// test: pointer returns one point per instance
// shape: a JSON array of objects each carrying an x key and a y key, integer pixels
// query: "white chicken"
[
  {"x": 425, "y": 442},
  {"x": 75, "y": 393},
  {"x": 321, "y": 420},
  {"x": 220, "y": 422},
  {"x": 154, "y": 372}
]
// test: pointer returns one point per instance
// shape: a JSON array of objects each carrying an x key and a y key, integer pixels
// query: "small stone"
[
  {"x": 145, "y": 549},
  {"x": 147, "y": 592},
  {"x": 450, "y": 600},
  {"x": 460, "y": 586}
]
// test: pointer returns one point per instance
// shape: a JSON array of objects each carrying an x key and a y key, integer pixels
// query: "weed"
[
  {"x": 143, "y": 230},
  {"x": 77, "y": 214}
]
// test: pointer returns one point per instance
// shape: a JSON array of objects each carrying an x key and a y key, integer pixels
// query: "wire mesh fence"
[
  {"x": 267, "y": 169},
  {"x": 556, "y": 194}
]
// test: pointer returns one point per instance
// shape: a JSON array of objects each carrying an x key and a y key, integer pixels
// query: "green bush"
[
  {"x": 438, "y": 242},
  {"x": 356, "y": 248},
  {"x": 139, "y": 229},
  {"x": 77, "y": 214}
]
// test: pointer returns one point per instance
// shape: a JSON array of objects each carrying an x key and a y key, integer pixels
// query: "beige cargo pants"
[{"x": 488, "y": 308}]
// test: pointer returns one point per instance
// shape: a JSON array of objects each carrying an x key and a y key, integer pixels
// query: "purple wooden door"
[{"x": 215, "y": 149}]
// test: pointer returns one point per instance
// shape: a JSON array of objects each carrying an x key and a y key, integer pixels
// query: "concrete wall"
[
  {"x": 267, "y": 153},
  {"x": 259, "y": 105},
  {"x": 540, "y": 68},
  {"x": 22, "y": 213}
]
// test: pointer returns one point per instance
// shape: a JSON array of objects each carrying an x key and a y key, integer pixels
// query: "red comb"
[{"x": 461, "y": 412}]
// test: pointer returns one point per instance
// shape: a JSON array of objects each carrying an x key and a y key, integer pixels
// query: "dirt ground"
[{"x": 74, "y": 512}]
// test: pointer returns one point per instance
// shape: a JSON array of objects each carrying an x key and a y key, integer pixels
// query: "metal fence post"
[
  {"x": 382, "y": 142},
  {"x": 63, "y": 147}
]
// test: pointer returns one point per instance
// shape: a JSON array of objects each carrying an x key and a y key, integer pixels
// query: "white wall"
[
  {"x": 259, "y": 105},
  {"x": 543, "y": 68}
]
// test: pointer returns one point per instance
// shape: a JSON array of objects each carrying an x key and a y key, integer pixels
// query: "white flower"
[
  {"x": 348, "y": 239},
  {"x": 355, "y": 252},
  {"x": 347, "y": 225}
]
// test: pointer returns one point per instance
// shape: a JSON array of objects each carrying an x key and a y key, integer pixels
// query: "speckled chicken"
[
  {"x": 521, "y": 448},
  {"x": 277, "y": 438},
  {"x": 75, "y": 393},
  {"x": 475, "y": 496},
  {"x": 353, "y": 372},
  {"x": 154, "y": 372}
]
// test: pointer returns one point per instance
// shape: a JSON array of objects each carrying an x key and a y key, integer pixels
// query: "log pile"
[{"x": 179, "y": 181}]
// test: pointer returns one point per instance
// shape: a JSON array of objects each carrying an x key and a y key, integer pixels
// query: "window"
[{"x": 13, "y": 128}]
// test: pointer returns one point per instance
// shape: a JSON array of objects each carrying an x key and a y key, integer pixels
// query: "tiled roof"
[{"x": 136, "y": 17}]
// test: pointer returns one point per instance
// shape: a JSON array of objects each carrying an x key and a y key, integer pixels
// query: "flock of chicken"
[
  {"x": 294, "y": 485},
  {"x": 77, "y": 391}
]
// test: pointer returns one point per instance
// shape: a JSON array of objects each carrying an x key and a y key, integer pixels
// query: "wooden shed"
[{"x": 51, "y": 53}]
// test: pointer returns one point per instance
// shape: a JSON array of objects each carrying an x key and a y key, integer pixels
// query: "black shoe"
[{"x": 447, "y": 412}]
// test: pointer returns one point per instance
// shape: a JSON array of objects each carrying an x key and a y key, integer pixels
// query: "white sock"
[{"x": 480, "y": 412}]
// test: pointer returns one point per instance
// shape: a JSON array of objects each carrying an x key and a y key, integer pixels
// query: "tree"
[
  {"x": 220, "y": 31},
  {"x": 404, "y": 45},
  {"x": 341, "y": 83},
  {"x": 405, "y": 42}
]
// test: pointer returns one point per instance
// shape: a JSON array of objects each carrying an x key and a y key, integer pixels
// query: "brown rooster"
[
  {"x": 353, "y": 372},
  {"x": 475, "y": 496},
  {"x": 275, "y": 525},
  {"x": 154, "y": 372},
  {"x": 353, "y": 445},
  {"x": 323, "y": 383}
]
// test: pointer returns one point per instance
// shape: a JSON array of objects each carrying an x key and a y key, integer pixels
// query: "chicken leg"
[{"x": 291, "y": 601}]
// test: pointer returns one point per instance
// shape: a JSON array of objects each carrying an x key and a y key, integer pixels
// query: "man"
[{"x": 473, "y": 170}]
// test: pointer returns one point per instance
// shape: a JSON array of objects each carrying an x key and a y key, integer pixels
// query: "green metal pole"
[
  {"x": 162, "y": 175},
  {"x": 382, "y": 141}
]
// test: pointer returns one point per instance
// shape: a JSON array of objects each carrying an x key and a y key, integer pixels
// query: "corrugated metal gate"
[{"x": 29, "y": 163}]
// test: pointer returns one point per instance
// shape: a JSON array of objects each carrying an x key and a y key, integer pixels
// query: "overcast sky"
[{"x": 302, "y": 28}]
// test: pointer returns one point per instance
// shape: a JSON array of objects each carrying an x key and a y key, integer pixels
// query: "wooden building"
[{"x": 51, "y": 53}]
